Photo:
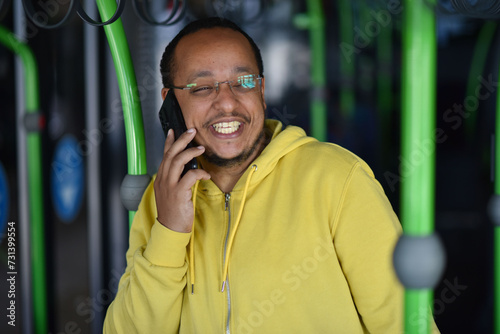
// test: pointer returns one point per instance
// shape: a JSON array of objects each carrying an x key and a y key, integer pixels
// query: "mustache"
[{"x": 223, "y": 115}]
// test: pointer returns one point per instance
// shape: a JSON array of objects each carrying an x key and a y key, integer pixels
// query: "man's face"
[{"x": 216, "y": 55}]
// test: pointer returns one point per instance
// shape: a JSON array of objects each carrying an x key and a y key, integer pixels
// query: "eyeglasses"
[{"x": 209, "y": 90}]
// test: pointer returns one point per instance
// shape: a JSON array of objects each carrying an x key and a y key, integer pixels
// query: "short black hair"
[{"x": 167, "y": 60}]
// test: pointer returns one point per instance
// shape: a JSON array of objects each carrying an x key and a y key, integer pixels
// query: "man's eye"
[
  {"x": 202, "y": 90},
  {"x": 244, "y": 85}
]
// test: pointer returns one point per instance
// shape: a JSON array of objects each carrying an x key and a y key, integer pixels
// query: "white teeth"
[{"x": 227, "y": 127}]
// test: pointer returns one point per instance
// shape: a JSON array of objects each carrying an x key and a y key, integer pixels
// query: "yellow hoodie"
[{"x": 303, "y": 244}]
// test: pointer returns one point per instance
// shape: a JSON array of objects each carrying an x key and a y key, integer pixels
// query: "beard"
[{"x": 219, "y": 161}]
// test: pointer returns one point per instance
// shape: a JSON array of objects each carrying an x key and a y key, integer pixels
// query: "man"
[{"x": 275, "y": 233}]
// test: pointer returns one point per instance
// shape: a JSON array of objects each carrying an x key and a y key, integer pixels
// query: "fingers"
[
  {"x": 183, "y": 158},
  {"x": 163, "y": 168},
  {"x": 168, "y": 141},
  {"x": 173, "y": 146},
  {"x": 173, "y": 193},
  {"x": 175, "y": 156}
]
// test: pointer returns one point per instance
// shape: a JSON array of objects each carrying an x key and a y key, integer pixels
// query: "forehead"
[{"x": 214, "y": 51}]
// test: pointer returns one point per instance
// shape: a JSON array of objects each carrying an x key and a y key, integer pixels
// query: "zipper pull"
[{"x": 228, "y": 196}]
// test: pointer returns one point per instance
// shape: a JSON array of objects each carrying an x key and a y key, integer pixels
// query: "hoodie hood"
[{"x": 282, "y": 143}]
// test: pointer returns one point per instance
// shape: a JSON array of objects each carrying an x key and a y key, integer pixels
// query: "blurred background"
[{"x": 337, "y": 56}]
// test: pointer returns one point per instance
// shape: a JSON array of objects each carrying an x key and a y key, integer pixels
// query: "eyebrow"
[
  {"x": 208, "y": 74},
  {"x": 242, "y": 69},
  {"x": 200, "y": 74}
]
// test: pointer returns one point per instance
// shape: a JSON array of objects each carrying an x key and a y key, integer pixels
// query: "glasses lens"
[
  {"x": 242, "y": 84},
  {"x": 245, "y": 83},
  {"x": 202, "y": 90}
]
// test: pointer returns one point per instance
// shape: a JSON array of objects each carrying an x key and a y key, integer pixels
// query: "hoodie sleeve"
[
  {"x": 365, "y": 234},
  {"x": 150, "y": 292}
]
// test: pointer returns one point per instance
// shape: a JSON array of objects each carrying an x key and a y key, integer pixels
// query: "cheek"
[
  {"x": 189, "y": 121},
  {"x": 191, "y": 116},
  {"x": 257, "y": 108}
]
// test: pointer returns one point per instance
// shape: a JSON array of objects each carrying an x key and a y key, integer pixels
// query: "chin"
[
  {"x": 222, "y": 161},
  {"x": 237, "y": 158}
]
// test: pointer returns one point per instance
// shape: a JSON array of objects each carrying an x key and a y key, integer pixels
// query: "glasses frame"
[{"x": 218, "y": 83}]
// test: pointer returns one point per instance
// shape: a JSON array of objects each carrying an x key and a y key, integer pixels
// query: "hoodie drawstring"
[{"x": 231, "y": 237}]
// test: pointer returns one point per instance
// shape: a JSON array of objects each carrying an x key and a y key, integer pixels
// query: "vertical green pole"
[
  {"x": 418, "y": 141},
  {"x": 318, "y": 69},
  {"x": 314, "y": 20},
  {"x": 134, "y": 128},
  {"x": 478, "y": 63},
  {"x": 35, "y": 181}
]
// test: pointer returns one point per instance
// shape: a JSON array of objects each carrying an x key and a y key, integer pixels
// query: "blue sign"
[
  {"x": 67, "y": 179},
  {"x": 4, "y": 200}
]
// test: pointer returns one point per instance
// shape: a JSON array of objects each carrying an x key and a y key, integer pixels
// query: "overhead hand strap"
[
  {"x": 119, "y": 11},
  {"x": 41, "y": 16},
  {"x": 143, "y": 12}
]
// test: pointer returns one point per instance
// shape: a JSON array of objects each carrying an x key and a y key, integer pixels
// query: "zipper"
[{"x": 226, "y": 283}]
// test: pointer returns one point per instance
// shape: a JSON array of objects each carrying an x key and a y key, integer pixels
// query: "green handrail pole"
[
  {"x": 347, "y": 59},
  {"x": 318, "y": 69},
  {"x": 134, "y": 128},
  {"x": 419, "y": 116},
  {"x": 418, "y": 129},
  {"x": 35, "y": 183},
  {"x": 478, "y": 62},
  {"x": 314, "y": 21}
]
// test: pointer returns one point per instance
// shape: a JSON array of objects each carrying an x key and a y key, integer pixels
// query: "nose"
[
  {"x": 218, "y": 87},
  {"x": 225, "y": 100}
]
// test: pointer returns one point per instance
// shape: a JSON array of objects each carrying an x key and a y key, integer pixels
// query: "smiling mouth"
[{"x": 226, "y": 127}]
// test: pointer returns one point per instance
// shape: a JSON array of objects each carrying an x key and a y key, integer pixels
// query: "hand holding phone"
[
  {"x": 171, "y": 118},
  {"x": 173, "y": 193}
]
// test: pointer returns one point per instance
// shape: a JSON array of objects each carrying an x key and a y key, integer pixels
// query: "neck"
[{"x": 225, "y": 178}]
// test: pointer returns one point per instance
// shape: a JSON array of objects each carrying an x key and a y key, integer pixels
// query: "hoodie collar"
[{"x": 282, "y": 142}]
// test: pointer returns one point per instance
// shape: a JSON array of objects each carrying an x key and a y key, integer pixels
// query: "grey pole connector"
[
  {"x": 419, "y": 261},
  {"x": 132, "y": 189}
]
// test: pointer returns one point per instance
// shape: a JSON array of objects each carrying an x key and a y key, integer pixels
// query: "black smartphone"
[{"x": 171, "y": 118}]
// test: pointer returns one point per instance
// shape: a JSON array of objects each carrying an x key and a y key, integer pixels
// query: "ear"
[{"x": 164, "y": 92}]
